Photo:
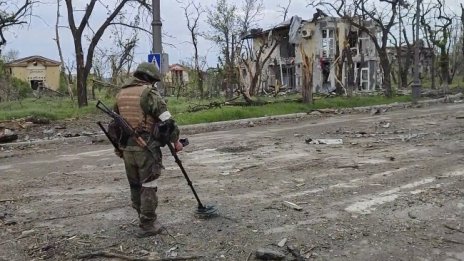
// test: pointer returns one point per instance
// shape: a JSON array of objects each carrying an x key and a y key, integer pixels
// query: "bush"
[
  {"x": 21, "y": 88},
  {"x": 63, "y": 88}
]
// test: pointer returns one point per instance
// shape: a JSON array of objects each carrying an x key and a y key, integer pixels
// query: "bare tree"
[
  {"x": 10, "y": 55},
  {"x": 13, "y": 13},
  {"x": 254, "y": 60},
  {"x": 223, "y": 21},
  {"x": 284, "y": 9},
  {"x": 404, "y": 46},
  {"x": 370, "y": 17},
  {"x": 84, "y": 64},
  {"x": 439, "y": 37},
  {"x": 193, "y": 13},
  {"x": 228, "y": 27},
  {"x": 60, "y": 52},
  {"x": 121, "y": 55}
]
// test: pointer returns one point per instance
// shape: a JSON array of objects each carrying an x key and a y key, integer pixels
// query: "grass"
[
  {"x": 50, "y": 108},
  {"x": 63, "y": 108},
  {"x": 233, "y": 113}
]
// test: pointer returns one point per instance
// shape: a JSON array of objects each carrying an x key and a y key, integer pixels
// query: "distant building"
[
  {"x": 321, "y": 41},
  {"x": 177, "y": 75},
  {"x": 38, "y": 71},
  {"x": 407, "y": 55}
]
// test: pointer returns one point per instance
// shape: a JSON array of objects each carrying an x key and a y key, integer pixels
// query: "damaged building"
[{"x": 335, "y": 52}]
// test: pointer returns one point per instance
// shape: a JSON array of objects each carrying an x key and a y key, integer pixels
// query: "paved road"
[{"x": 394, "y": 190}]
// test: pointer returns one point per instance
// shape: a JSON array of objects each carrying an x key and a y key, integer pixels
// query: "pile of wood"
[{"x": 9, "y": 129}]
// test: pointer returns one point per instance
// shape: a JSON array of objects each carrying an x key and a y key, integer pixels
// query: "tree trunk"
[
  {"x": 60, "y": 53},
  {"x": 81, "y": 80},
  {"x": 444, "y": 69},
  {"x": 307, "y": 90},
  {"x": 433, "y": 71},
  {"x": 405, "y": 69},
  {"x": 350, "y": 73},
  {"x": 386, "y": 83},
  {"x": 200, "y": 83}
]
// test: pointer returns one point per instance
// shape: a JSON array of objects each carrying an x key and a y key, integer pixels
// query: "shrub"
[{"x": 21, "y": 88}]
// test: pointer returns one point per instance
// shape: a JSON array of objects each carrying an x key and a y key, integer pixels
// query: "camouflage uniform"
[{"x": 143, "y": 107}]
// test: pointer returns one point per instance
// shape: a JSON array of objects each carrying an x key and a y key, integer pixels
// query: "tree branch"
[{"x": 132, "y": 26}]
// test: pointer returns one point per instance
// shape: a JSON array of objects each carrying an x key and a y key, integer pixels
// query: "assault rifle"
[{"x": 116, "y": 146}]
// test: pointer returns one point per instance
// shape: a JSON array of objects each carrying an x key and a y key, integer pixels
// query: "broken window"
[
  {"x": 287, "y": 49},
  {"x": 328, "y": 43},
  {"x": 364, "y": 86},
  {"x": 365, "y": 46}
]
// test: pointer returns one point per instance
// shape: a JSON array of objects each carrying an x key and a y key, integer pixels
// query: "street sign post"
[
  {"x": 155, "y": 57},
  {"x": 162, "y": 61}
]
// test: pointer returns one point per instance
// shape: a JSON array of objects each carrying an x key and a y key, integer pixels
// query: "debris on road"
[
  {"x": 453, "y": 228},
  {"x": 292, "y": 205},
  {"x": 282, "y": 242},
  {"x": 269, "y": 254},
  {"x": 385, "y": 124},
  {"x": 324, "y": 141},
  {"x": 109, "y": 254},
  {"x": 296, "y": 253},
  {"x": 7, "y": 135}
]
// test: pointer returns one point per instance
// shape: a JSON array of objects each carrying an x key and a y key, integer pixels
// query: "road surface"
[{"x": 394, "y": 190}]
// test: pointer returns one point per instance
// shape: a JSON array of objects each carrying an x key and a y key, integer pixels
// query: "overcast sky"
[{"x": 37, "y": 37}]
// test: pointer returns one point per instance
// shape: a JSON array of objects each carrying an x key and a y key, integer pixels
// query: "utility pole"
[
  {"x": 399, "y": 53},
  {"x": 156, "y": 34},
  {"x": 416, "y": 86}
]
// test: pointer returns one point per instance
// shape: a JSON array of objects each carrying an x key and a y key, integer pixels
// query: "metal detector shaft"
[{"x": 189, "y": 182}]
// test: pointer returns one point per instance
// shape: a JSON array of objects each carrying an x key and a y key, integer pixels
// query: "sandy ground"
[{"x": 394, "y": 190}]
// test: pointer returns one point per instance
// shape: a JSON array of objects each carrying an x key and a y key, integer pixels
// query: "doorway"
[{"x": 36, "y": 84}]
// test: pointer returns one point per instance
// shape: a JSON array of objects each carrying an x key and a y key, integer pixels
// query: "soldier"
[{"x": 141, "y": 105}]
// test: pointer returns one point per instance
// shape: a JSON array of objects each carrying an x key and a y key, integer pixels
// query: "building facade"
[
  {"x": 321, "y": 45},
  {"x": 38, "y": 71}
]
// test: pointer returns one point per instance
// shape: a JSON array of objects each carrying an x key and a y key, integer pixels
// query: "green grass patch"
[
  {"x": 242, "y": 112},
  {"x": 45, "y": 107},
  {"x": 63, "y": 108}
]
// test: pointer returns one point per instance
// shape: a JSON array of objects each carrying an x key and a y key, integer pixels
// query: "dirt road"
[{"x": 394, "y": 190}]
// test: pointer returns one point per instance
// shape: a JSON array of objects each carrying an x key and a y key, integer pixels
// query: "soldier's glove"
[
  {"x": 178, "y": 146},
  {"x": 118, "y": 153}
]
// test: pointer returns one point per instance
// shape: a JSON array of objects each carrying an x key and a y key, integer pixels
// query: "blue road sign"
[{"x": 156, "y": 57}]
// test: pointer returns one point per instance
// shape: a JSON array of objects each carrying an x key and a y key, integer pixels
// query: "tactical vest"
[{"x": 128, "y": 101}]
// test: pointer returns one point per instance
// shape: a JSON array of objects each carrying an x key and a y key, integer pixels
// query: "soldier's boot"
[
  {"x": 149, "y": 226},
  {"x": 149, "y": 230}
]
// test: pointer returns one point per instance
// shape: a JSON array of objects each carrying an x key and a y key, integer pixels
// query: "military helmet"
[{"x": 147, "y": 72}]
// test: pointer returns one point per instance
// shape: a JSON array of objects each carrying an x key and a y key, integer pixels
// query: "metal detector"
[{"x": 202, "y": 211}]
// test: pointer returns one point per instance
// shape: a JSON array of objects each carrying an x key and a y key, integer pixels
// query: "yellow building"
[{"x": 38, "y": 71}]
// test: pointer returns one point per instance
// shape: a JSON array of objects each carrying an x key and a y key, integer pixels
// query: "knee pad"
[{"x": 151, "y": 184}]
